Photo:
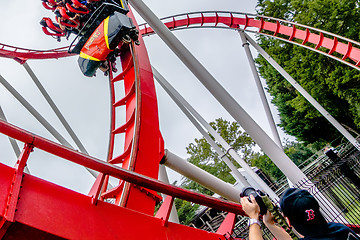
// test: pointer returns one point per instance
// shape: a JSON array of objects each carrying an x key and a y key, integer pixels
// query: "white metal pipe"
[
  {"x": 163, "y": 176},
  {"x": 270, "y": 148},
  {"x": 260, "y": 89},
  {"x": 188, "y": 110},
  {"x": 55, "y": 108},
  {"x": 262, "y": 95},
  {"x": 40, "y": 118},
  {"x": 304, "y": 93},
  {"x": 202, "y": 177},
  {"x": 35, "y": 113}
]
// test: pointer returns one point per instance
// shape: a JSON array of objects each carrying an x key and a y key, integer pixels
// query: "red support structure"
[
  {"x": 36, "y": 209},
  {"x": 271, "y": 27},
  {"x": 227, "y": 226},
  {"x": 8, "y": 216},
  {"x": 117, "y": 172},
  {"x": 165, "y": 209},
  {"x": 67, "y": 214}
]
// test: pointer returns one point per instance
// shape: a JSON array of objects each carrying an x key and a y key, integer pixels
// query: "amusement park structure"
[{"x": 32, "y": 208}]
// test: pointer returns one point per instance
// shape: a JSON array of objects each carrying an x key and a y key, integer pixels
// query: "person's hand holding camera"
[{"x": 251, "y": 209}]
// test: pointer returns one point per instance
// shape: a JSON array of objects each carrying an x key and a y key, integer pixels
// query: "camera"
[{"x": 258, "y": 194}]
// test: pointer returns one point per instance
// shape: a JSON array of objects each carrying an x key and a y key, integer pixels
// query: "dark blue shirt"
[{"x": 335, "y": 231}]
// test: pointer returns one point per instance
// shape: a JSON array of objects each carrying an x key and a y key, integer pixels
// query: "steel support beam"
[
  {"x": 13, "y": 143},
  {"x": 55, "y": 108},
  {"x": 39, "y": 117},
  {"x": 35, "y": 113},
  {"x": 270, "y": 148},
  {"x": 260, "y": 89},
  {"x": 115, "y": 171},
  {"x": 190, "y": 112},
  {"x": 202, "y": 177},
  {"x": 163, "y": 176},
  {"x": 13, "y": 195},
  {"x": 304, "y": 93},
  {"x": 194, "y": 117},
  {"x": 262, "y": 95}
]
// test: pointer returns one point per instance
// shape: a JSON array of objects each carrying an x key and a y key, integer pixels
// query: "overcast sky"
[{"x": 85, "y": 101}]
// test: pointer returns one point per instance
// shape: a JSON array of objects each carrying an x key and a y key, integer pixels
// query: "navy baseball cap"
[{"x": 303, "y": 211}]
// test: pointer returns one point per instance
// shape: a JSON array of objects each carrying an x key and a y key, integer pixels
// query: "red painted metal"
[
  {"x": 143, "y": 141},
  {"x": 54, "y": 212},
  {"x": 97, "y": 188},
  {"x": 115, "y": 171},
  {"x": 165, "y": 209},
  {"x": 227, "y": 226},
  {"x": 272, "y": 27},
  {"x": 23, "y": 54},
  {"x": 8, "y": 215},
  {"x": 143, "y": 149},
  {"x": 112, "y": 193},
  {"x": 262, "y": 25}
]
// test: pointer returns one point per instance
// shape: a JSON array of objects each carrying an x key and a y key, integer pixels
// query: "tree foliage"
[
  {"x": 186, "y": 210},
  {"x": 334, "y": 85},
  {"x": 296, "y": 151},
  {"x": 203, "y": 156}
]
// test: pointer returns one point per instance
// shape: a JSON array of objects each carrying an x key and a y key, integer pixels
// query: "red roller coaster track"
[{"x": 34, "y": 209}]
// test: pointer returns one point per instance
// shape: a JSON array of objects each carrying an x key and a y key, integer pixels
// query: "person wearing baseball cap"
[{"x": 303, "y": 213}]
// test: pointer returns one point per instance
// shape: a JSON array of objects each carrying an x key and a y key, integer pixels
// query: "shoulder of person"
[{"x": 339, "y": 229}]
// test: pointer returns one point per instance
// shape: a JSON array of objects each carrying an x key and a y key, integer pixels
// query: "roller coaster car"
[{"x": 101, "y": 34}]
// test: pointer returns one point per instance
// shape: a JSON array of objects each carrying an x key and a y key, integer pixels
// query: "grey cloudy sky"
[{"x": 85, "y": 101}]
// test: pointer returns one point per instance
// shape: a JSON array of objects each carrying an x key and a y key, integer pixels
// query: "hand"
[
  {"x": 252, "y": 209},
  {"x": 268, "y": 219}
]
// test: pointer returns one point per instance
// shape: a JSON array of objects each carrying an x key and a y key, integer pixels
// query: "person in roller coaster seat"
[
  {"x": 70, "y": 23},
  {"x": 302, "y": 212},
  {"x": 102, "y": 45},
  {"x": 54, "y": 27}
]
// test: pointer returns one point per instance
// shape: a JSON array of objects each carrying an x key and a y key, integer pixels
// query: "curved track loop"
[
  {"x": 147, "y": 147},
  {"x": 22, "y": 54},
  {"x": 334, "y": 46},
  {"x": 339, "y": 48},
  {"x": 143, "y": 145}
]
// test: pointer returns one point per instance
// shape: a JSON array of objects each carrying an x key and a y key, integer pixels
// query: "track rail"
[
  {"x": 334, "y": 46},
  {"x": 21, "y": 55},
  {"x": 37, "y": 202},
  {"x": 143, "y": 144}
]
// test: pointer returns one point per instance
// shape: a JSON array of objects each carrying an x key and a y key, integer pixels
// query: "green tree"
[
  {"x": 334, "y": 85},
  {"x": 296, "y": 151},
  {"x": 203, "y": 156},
  {"x": 186, "y": 211}
]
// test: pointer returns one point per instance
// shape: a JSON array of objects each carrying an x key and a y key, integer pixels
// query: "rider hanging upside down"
[
  {"x": 68, "y": 21},
  {"x": 55, "y": 29},
  {"x": 99, "y": 47},
  {"x": 71, "y": 14},
  {"x": 100, "y": 25}
]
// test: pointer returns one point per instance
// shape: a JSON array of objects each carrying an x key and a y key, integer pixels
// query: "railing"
[{"x": 90, "y": 162}]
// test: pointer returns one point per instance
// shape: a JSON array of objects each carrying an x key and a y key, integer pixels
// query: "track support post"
[
  {"x": 165, "y": 210},
  {"x": 14, "y": 191}
]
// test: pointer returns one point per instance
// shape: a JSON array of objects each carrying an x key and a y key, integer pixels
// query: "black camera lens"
[{"x": 246, "y": 192}]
